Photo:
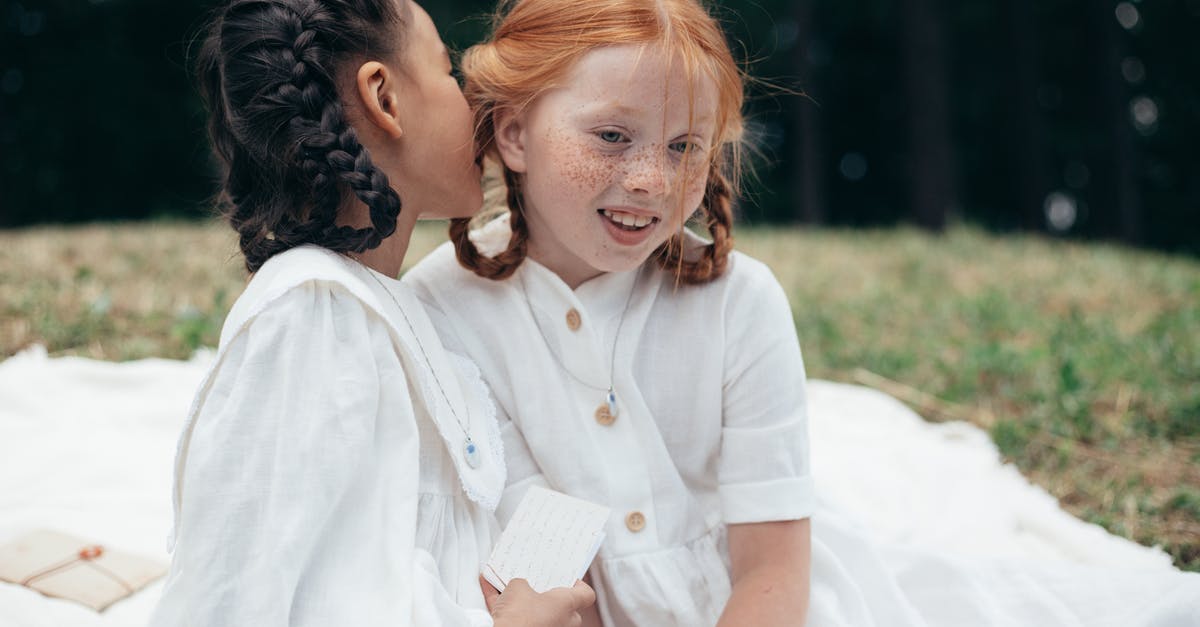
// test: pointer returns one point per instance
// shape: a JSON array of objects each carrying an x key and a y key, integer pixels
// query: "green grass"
[{"x": 1083, "y": 361}]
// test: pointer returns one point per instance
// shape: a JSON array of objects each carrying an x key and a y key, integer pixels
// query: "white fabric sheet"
[{"x": 924, "y": 515}]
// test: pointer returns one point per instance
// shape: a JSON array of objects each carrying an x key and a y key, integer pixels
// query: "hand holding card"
[{"x": 550, "y": 541}]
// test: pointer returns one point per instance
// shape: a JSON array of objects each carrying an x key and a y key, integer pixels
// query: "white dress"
[
  {"x": 712, "y": 430},
  {"x": 319, "y": 476},
  {"x": 711, "y": 426}
]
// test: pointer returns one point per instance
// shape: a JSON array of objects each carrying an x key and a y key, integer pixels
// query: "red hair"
[{"x": 533, "y": 46}]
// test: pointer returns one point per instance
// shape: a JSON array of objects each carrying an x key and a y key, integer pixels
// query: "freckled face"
[{"x": 614, "y": 161}]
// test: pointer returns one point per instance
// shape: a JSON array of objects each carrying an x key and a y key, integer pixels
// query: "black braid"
[{"x": 268, "y": 72}]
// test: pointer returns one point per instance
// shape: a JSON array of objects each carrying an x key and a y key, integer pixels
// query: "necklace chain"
[
  {"x": 465, "y": 428},
  {"x": 612, "y": 363}
]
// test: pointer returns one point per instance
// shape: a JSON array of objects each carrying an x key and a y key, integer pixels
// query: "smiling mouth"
[{"x": 627, "y": 221}]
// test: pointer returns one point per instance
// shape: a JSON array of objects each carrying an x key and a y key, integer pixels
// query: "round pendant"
[
  {"x": 603, "y": 416},
  {"x": 471, "y": 454}
]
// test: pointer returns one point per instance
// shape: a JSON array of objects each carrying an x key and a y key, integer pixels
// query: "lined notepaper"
[{"x": 550, "y": 541}]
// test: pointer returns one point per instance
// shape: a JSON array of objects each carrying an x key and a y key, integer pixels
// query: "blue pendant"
[
  {"x": 611, "y": 399},
  {"x": 471, "y": 454}
]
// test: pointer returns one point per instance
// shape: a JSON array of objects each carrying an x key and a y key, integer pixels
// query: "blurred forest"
[{"x": 1072, "y": 117}]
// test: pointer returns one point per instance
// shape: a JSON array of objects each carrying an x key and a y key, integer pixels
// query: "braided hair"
[
  {"x": 268, "y": 73},
  {"x": 716, "y": 215}
]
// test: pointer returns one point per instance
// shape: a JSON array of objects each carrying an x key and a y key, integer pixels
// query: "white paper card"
[{"x": 550, "y": 541}]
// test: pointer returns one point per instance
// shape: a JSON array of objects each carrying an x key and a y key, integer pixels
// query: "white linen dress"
[
  {"x": 711, "y": 431},
  {"x": 319, "y": 476}
]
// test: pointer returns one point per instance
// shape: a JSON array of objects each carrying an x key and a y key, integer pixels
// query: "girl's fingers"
[
  {"x": 582, "y": 595},
  {"x": 519, "y": 584},
  {"x": 490, "y": 594},
  {"x": 576, "y": 598}
]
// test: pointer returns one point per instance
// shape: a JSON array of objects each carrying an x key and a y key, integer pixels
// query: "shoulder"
[
  {"x": 306, "y": 335},
  {"x": 742, "y": 272},
  {"x": 440, "y": 269},
  {"x": 747, "y": 273},
  {"x": 745, "y": 279},
  {"x": 300, "y": 284},
  {"x": 309, "y": 265},
  {"x": 441, "y": 282},
  {"x": 439, "y": 265},
  {"x": 746, "y": 299},
  {"x": 753, "y": 291},
  {"x": 752, "y": 286}
]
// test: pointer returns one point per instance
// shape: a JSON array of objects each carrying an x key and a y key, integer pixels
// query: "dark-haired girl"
[{"x": 338, "y": 467}]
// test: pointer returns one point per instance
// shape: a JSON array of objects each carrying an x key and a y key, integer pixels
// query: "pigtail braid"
[
  {"x": 713, "y": 258},
  {"x": 328, "y": 151},
  {"x": 351, "y": 164},
  {"x": 267, "y": 72},
  {"x": 506, "y": 263}
]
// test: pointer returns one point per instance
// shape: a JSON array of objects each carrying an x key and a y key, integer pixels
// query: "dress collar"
[
  {"x": 451, "y": 387},
  {"x": 602, "y": 297}
]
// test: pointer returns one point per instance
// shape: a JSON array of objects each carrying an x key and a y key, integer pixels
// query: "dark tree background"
[{"x": 1075, "y": 117}]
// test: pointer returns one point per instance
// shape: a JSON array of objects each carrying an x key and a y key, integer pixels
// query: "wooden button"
[
  {"x": 573, "y": 320},
  {"x": 603, "y": 416},
  {"x": 635, "y": 521}
]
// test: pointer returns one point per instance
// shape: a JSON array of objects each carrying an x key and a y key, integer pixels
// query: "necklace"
[
  {"x": 607, "y": 412},
  {"x": 470, "y": 451}
]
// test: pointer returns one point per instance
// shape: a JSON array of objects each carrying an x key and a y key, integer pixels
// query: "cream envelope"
[{"x": 68, "y": 567}]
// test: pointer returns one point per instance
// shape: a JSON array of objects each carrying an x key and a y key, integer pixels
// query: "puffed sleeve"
[
  {"x": 298, "y": 482},
  {"x": 763, "y": 471}
]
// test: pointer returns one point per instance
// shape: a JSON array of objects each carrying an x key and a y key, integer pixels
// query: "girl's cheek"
[
  {"x": 588, "y": 170},
  {"x": 694, "y": 178},
  {"x": 580, "y": 165}
]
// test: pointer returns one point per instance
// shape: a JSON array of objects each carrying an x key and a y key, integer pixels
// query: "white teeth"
[{"x": 627, "y": 219}]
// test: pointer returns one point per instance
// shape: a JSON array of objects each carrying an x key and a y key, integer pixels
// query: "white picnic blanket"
[{"x": 87, "y": 447}]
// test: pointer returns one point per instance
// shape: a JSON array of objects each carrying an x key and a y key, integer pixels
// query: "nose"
[{"x": 647, "y": 173}]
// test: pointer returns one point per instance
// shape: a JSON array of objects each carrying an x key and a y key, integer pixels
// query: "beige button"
[
  {"x": 603, "y": 416},
  {"x": 573, "y": 320},
  {"x": 636, "y": 521}
]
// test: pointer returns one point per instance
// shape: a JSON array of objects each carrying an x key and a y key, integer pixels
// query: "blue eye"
[
  {"x": 611, "y": 137},
  {"x": 683, "y": 147}
]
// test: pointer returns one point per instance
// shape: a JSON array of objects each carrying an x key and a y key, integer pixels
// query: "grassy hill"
[{"x": 1082, "y": 361}]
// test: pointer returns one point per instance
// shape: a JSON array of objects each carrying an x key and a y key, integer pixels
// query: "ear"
[
  {"x": 377, "y": 87},
  {"x": 510, "y": 138}
]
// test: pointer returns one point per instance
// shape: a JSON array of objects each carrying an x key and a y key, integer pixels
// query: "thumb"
[
  {"x": 490, "y": 594},
  {"x": 582, "y": 595}
]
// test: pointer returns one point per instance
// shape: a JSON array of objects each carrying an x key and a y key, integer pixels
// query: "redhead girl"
[
  {"x": 338, "y": 466},
  {"x": 634, "y": 364},
  {"x": 637, "y": 365}
]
